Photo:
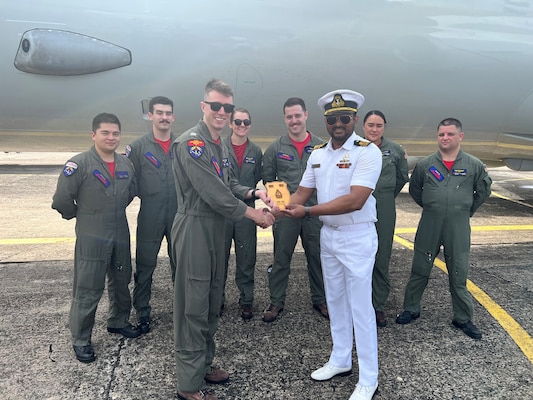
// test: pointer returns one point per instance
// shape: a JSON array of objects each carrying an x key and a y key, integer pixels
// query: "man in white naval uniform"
[{"x": 344, "y": 172}]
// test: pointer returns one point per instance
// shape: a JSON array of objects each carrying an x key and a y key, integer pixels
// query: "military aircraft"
[{"x": 418, "y": 61}]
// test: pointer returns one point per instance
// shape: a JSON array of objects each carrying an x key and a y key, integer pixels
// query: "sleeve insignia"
[
  {"x": 128, "y": 150},
  {"x": 196, "y": 147},
  {"x": 70, "y": 168}
]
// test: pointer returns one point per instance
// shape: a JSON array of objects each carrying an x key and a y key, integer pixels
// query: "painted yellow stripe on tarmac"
[
  {"x": 266, "y": 234},
  {"x": 523, "y": 340},
  {"x": 480, "y": 228},
  {"x": 493, "y": 194}
]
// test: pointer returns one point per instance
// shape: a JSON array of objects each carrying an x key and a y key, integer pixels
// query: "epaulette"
[
  {"x": 319, "y": 146},
  {"x": 362, "y": 143}
]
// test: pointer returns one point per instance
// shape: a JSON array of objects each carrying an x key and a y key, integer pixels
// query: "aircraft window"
[{"x": 63, "y": 53}]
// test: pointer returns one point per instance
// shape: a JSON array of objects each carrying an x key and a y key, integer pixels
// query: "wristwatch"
[{"x": 307, "y": 211}]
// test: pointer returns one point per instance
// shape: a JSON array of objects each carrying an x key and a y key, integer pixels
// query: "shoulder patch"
[
  {"x": 361, "y": 143},
  {"x": 70, "y": 168},
  {"x": 319, "y": 146},
  {"x": 128, "y": 151},
  {"x": 196, "y": 147}
]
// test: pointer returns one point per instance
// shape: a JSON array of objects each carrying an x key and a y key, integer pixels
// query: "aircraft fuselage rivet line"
[{"x": 519, "y": 335}]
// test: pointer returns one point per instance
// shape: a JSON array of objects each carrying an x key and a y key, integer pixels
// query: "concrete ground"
[{"x": 428, "y": 359}]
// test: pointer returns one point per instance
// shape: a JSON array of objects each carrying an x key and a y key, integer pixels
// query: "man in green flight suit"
[
  {"x": 152, "y": 159},
  {"x": 285, "y": 160},
  {"x": 449, "y": 185},
  {"x": 206, "y": 191},
  {"x": 95, "y": 187}
]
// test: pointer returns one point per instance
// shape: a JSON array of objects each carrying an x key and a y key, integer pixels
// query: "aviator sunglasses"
[
  {"x": 332, "y": 119},
  {"x": 238, "y": 122},
  {"x": 215, "y": 106}
]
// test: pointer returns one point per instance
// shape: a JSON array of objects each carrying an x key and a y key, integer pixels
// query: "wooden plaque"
[{"x": 279, "y": 193}]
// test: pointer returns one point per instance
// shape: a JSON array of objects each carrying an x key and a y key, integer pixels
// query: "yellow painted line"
[
  {"x": 264, "y": 234},
  {"x": 523, "y": 340},
  {"x": 511, "y": 200},
  {"x": 478, "y": 228}
]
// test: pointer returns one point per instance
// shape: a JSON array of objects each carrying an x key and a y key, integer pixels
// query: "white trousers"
[{"x": 348, "y": 255}]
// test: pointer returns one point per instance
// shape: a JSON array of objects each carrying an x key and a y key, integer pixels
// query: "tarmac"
[{"x": 427, "y": 359}]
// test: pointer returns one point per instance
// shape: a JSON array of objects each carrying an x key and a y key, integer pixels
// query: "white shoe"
[
  {"x": 328, "y": 371},
  {"x": 363, "y": 392}
]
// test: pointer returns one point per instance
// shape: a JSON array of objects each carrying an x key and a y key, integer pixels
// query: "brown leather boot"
[
  {"x": 217, "y": 375},
  {"x": 271, "y": 313}
]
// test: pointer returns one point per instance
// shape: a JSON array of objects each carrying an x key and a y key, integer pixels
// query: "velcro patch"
[
  {"x": 285, "y": 156},
  {"x": 70, "y": 168},
  {"x": 436, "y": 173},
  {"x": 150, "y": 157},
  {"x": 101, "y": 178},
  {"x": 196, "y": 147}
]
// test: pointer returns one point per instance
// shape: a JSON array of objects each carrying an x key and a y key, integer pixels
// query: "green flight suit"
[
  {"x": 281, "y": 162},
  {"x": 243, "y": 232},
  {"x": 394, "y": 175},
  {"x": 448, "y": 199},
  {"x": 98, "y": 201},
  {"x": 205, "y": 193},
  {"x": 153, "y": 170}
]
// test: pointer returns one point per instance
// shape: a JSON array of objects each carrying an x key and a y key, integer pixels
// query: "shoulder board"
[
  {"x": 319, "y": 146},
  {"x": 362, "y": 143}
]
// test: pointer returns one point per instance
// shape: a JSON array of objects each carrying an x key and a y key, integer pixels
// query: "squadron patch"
[
  {"x": 285, "y": 156},
  {"x": 226, "y": 163},
  {"x": 150, "y": 157},
  {"x": 70, "y": 168},
  {"x": 196, "y": 147},
  {"x": 101, "y": 178},
  {"x": 217, "y": 167},
  {"x": 128, "y": 151}
]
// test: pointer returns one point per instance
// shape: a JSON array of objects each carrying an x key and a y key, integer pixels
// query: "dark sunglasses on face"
[
  {"x": 238, "y": 122},
  {"x": 215, "y": 106},
  {"x": 345, "y": 119}
]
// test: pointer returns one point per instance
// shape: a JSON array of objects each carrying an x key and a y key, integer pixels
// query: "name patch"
[
  {"x": 285, "y": 156},
  {"x": 217, "y": 167},
  {"x": 436, "y": 173},
  {"x": 459, "y": 172},
  {"x": 122, "y": 175},
  {"x": 101, "y": 178},
  {"x": 150, "y": 157}
]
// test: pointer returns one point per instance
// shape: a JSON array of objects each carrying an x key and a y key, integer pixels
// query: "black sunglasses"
[
  {"x": 345, "y": 119},
  {"x": 238, "y": 122},
  {"x": 215, "y": 106}
]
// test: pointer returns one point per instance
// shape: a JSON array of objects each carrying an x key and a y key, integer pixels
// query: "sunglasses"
[
  {"x": 345, "y": 119},
  {"x": 215, "y": 106},
  {"x": 238, "y": 122}
]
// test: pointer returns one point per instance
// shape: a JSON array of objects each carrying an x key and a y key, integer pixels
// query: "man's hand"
[
  {"x": 263, "y": 218},
  {"x": 294, "y": 211},
  {"x": 263, "y": 195}
]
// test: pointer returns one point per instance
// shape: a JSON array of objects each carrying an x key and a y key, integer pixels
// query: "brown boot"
[
  {"x": 199, "y": 395},
  {"x": 271, "y": 313},
  {"x": 217, "y": 375},
  {"x": 247, "y": 311},
  {"x": 322, "y": 309},
  {"x": 381, "y": 320}
]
